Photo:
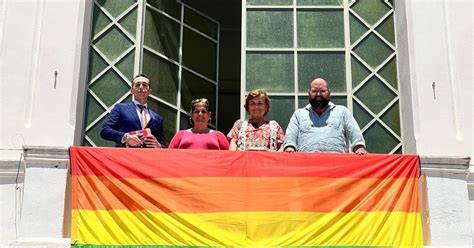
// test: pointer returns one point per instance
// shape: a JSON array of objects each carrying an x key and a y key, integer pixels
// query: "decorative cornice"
[
  {"x": 58, "y": 157},
  {"x": 46, "y": 156},
  {"x": 10, "y": 170},
  {"x": 438, "y": 164}
]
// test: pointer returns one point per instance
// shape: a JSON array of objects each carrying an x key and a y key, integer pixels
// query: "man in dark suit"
[{"x": 134, "y": 116}]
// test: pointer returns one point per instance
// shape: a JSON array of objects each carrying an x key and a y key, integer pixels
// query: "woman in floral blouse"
[{"x": 256, "y": 133}]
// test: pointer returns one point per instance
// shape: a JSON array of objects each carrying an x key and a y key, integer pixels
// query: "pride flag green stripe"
[{"x": 167, "y": 246}]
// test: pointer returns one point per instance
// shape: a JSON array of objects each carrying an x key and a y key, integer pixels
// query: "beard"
[{"x": 322, "y": 103}]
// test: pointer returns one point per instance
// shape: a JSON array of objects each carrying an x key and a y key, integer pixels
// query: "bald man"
[{"x": 322, "y": 126}]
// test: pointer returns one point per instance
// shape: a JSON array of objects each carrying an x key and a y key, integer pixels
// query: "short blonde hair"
[{"x": 256, "y": 93}]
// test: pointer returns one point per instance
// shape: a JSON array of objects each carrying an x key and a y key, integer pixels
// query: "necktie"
[{"x": 143, "y": 113}]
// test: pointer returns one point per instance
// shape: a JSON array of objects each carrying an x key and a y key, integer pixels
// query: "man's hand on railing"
[
  {"x": 133, "y": 141},
  {"x": 360, "y": 150},
  {"x": 289, "y": 149}
]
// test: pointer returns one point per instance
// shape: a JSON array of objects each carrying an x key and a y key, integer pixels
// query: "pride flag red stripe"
[{"x": 149, "y": 163}]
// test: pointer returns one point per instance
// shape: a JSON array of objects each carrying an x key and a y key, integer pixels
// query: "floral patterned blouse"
[{"x": 265, "y": 137}]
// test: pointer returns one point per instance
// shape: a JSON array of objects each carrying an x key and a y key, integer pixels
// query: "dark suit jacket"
[{"x": 124, "y": 118}]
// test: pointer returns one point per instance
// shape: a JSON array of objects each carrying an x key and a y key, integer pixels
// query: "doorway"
[{"x": 228, "y": 14}]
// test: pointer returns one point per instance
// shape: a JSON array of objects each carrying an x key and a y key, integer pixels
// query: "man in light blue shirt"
[{"x": 322, "y": 126}]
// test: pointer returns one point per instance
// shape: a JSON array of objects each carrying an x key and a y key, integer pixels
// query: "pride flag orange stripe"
[
  {"x": 247, "y": 194},
  {"x": 149, "y": 163}
]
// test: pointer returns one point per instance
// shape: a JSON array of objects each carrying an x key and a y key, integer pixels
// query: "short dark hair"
[
  {"x": 142, "y": 75},
  {"x": 199, "y": 100}
]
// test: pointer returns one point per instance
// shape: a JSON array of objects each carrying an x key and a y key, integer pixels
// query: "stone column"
[
  {"x": 42, "y": 212},
  {"x": 449, "y": 217}
]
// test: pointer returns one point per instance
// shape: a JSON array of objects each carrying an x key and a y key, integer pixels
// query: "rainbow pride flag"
[
  {"x": 144, "y": 132},
  {"x": 199, "y": 198}
]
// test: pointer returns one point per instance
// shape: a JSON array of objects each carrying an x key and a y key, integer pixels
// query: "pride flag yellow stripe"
[{"x": 123, "y": 227}]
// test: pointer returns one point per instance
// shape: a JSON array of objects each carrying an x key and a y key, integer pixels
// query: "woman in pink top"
[{"x": 200, "y": 136}]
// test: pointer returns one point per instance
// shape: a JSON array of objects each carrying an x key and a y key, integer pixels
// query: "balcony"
[{"x": 36, "y": 200}]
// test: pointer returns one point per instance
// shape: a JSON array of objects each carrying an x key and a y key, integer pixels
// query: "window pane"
[
  {"x": 375, "y": 95},
  {"x": 126, "y": 65},
  {"x": 161, "y": 34},
  {"x": 172, "y": 8},
  {"x": 302, "y": 101},
  {"x": 113, "y": 43},
  {"x": 278, "y": 71},
  {"x": 96, "y": 64},
  {"x": 193, "y": 87},
  {"x": 129, "y": 22},
  {"x": 163, "y": 76},
  {"x": 373, "y": 51},
  {"x": 200, "y": 23},
  {"x": 389, "y": 73},
  {"x": 386, "y": 29},
  {"x": 93, "y": 108},
  {"x": 371, "y": 11},
  {"x": 115, "y": 8},
  {"x": 361, "y": 115},
  {"x": 94, "y": 135},
  {"x": 327, "y": 65},
  {"x": 319, "y": 2},
  {"x": 379, "y": 140},
  {"x": 269, "y": 2},
  {"x": 167, "y": 113},
  {"x": 129, "y": 98},
  {"x": 199, "y": 54},
  {"x": 269, "y": 28},
  {"x": 398, "y": 151},
  {"x": 99, "y": 21},
  {"x": 339, "y": 100},
  {"x": 109, "y": 88},
  {"x": 320, "y": 29},
  {"x": 392, "y": 118},
  {"x": 359, "y": 72},
  {"x": 356, "y": 27},
  {"x": 282, "y": 108}
]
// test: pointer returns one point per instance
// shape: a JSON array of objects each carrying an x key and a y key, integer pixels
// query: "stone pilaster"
[
  {"x": 449, "y": 217},
  {"x": 42, "y": 214}
]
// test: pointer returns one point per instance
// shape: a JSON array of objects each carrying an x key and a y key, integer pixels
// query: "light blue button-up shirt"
[{"x": 328, "y": 132}]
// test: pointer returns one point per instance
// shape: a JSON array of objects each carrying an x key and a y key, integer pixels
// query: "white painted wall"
[
  {"x": 437, "y": 46},
  {"x": 441, "y": 51},
  {"x": 10, "y": 200},
  {"x": 37, "y": 38}
]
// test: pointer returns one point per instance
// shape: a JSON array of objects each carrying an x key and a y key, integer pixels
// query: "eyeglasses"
[{"x": 320, "y": 91}]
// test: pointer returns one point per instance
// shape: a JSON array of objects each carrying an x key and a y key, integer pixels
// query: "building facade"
[{"x": 404, "y": 68}]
